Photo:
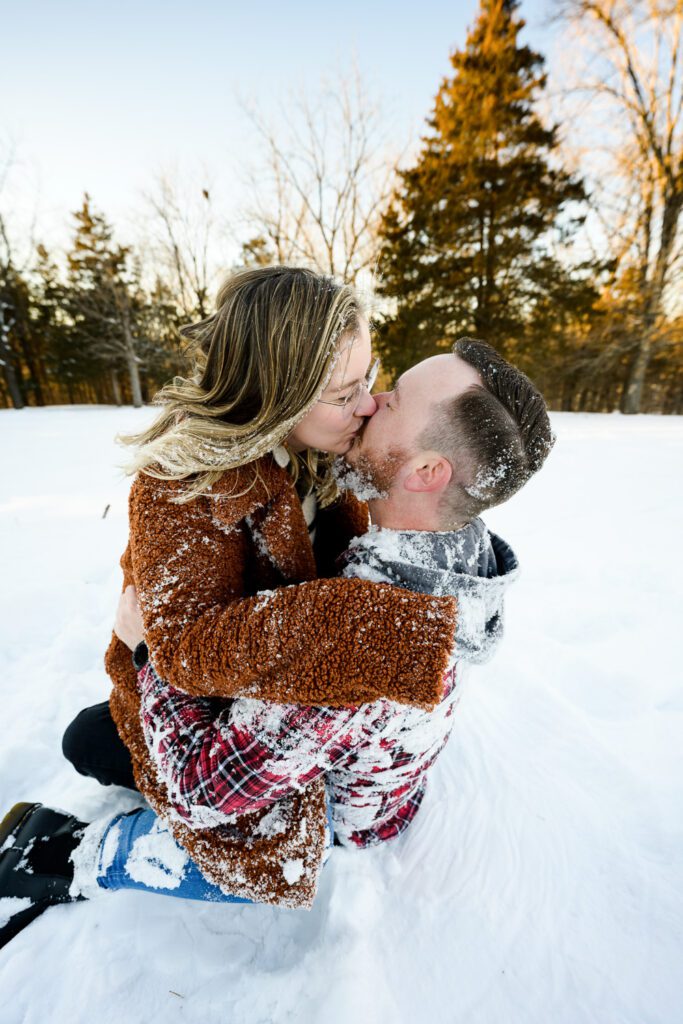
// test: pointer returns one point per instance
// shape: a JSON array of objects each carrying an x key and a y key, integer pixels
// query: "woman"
[{"x": 234, "y": 600}]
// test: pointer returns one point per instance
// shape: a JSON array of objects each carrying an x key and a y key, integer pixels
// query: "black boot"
[{"x": 36, "y": 871}]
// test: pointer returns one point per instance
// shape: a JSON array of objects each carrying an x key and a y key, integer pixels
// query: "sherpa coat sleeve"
[{"x": 326, "y": 641}]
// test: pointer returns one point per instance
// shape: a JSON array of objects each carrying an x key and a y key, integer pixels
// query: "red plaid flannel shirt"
[{"x": 219, "y": 759}]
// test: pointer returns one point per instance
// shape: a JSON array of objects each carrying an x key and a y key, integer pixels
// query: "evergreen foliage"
[
  {"x": 469, "y": 242},
  {"x": 89, "y": 334},
  {"x": 104, "y": 301},
  {"x": 476, "y": 239}
]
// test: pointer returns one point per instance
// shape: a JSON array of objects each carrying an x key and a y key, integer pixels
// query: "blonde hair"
[{"x": 259, "y": 364}]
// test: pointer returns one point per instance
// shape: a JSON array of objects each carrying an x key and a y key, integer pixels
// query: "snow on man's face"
[
  {"x": 404, "y": 412},
  {"x": 330, "y": 426}
]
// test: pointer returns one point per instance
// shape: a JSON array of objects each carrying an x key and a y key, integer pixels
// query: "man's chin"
[{"x": 357, "y": 477}]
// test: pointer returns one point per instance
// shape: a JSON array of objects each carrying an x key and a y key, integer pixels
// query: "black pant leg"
[{"x": 94, "y": 747}]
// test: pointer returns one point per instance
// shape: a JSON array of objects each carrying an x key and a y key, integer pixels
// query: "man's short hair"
[{"x": 496, "y": 436}]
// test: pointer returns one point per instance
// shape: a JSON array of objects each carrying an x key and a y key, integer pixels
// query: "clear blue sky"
[{"x": 101, "y": 96}]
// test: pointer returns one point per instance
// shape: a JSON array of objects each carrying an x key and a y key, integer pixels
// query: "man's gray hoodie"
[{"x": 472, "y": 564}]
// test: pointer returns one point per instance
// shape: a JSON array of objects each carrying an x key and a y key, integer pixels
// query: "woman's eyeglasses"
[{"x": 352, "y": 399}]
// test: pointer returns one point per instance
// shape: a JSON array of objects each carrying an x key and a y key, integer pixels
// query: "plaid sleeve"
[{"x": 227, "y": 758}]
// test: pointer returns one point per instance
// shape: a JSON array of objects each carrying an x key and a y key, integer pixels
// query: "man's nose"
[{"x": 367, "y": 405}]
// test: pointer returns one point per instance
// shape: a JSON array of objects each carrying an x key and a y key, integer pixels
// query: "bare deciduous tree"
[
  {"x": 633, "y": 63},
  {"x": 183, "y": 227},
  {"x": 318, "y": 195}
]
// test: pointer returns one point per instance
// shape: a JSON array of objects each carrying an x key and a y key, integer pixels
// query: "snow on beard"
[{"x": 370, "y": 478}]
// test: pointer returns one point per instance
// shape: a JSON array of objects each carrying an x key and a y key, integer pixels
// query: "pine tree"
[
  {"x": 161, "y": 349},
  {"x": 13, "y": 308},
  {"x": 12, "y": 388},
  {"x": 467, "y": 240},
  {"x": 105, "y": 301},
  {"x": 68, "y": 365}
]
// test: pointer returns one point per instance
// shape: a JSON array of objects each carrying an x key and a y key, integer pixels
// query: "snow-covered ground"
[{"x": 543, "y": 879}]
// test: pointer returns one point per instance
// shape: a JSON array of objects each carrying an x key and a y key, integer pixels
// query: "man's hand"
[{"x": 128, "y": 623}]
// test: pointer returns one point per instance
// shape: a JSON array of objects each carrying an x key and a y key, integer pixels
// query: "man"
[{"x": 459, "y": 433}]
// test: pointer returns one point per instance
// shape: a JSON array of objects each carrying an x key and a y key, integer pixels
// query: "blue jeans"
[{"x": 138, "y": 851}]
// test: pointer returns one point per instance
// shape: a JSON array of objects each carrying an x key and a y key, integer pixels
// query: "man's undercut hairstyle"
[{"x": 495, "y": 435}]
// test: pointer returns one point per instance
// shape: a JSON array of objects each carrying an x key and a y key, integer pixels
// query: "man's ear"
[{"x": 430, "y": 472}]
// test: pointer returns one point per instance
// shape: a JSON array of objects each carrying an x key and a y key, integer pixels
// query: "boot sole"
[
  {"x": 14, "y": 819},
  {"x": 22, "y": 920},
  {"x": 9, "y": 825}
]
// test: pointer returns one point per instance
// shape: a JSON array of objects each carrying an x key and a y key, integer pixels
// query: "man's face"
[{"x": 392, "y": 435}]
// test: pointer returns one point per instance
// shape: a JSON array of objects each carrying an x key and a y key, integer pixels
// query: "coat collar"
[{"x": 263, "y": 493}]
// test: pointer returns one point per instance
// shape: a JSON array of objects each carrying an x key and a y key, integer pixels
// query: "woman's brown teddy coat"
[{"x": 201, "y": 570}]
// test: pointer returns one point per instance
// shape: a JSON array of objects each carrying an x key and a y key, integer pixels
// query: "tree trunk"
[
  {"x": 11, "y": 380},
  {"x": 8, "y": 370},
  {"x": 32, "y": 366},
  {"x": 131, "y": 360},
  {"x": 635, "y": 382},
  {"x": 134, "y": 375},
  {"x": 116, "y": 387},
  {"x": 7, "y": 361}
]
